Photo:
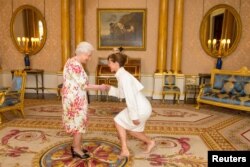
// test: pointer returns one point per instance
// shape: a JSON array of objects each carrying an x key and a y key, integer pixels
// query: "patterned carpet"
[{"x": 182, "y": 134}]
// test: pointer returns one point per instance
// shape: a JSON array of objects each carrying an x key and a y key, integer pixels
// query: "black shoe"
[
  {"x": 75, "y": 154},
  {"x": 83, "y": 150}
]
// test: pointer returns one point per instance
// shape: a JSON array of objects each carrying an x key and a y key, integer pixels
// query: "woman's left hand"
[{"x": 136, "y": 122}]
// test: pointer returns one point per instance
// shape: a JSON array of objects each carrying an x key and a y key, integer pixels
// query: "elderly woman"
[
  {"x": 133, "y": 118},
  {"x": 74, "y": 98}
]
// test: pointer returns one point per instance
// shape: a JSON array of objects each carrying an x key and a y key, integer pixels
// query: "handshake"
[{"x": 104, "y": 87}]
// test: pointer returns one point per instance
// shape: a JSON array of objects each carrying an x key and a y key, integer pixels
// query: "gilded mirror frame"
[
  {"x": 35, "y": 44},
  {"x": 203, "y": 31}
]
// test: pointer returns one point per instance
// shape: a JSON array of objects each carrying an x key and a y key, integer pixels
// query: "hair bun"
[{"x": 121, "y": 48}]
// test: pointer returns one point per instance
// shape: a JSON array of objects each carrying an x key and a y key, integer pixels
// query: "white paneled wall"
[{"x": 152, "y": 83}]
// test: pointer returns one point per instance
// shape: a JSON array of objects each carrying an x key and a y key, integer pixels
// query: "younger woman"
[{"x": 133, "y": 118}]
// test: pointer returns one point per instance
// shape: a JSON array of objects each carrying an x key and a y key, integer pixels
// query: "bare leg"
[
  {"x": 141, "y": 136},
  {"x": 123, "y": 139},
  {"x": 77, "y": 139}
]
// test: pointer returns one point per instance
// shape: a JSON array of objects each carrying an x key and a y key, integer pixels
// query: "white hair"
[{"x": 84, "y": 47}]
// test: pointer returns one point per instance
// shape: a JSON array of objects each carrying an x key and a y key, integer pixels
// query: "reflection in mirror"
[
  {"x": 220, "y": 31},
  {"x": 28, "y": 29}
]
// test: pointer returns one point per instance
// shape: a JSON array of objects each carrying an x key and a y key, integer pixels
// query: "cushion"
[
  {"x": 228, "y": 87},
  {"x": 246, "y": 79},
  {"x": 171, "y": 88},
  {"x": 246, "y": 89},
  {"x": 16, "y": 84},
  {"x": 238, "y": 86},
  {"x": 169, "y": 80},
  {"x": 10, "y": 101},
  {"x": 218, "y": 80}
]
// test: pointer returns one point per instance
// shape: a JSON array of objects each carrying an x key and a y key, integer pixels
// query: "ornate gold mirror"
[
  {"x": 28, "y": 29},
  {"x": 220, "y": 31}
]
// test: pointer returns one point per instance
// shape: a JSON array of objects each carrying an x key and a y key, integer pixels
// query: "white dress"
[{"x": 138, "y": 106}]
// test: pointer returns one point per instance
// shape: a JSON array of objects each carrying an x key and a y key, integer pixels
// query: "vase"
[
  {"x": 219, "y": 63},
  {"x": 27, "y": 62}
]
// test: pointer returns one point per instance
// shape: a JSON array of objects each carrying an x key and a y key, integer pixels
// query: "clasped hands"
[{"x": 104, "y": 87}]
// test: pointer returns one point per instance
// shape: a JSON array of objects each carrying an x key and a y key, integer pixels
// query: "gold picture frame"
[{"x": 121, "y": 27}]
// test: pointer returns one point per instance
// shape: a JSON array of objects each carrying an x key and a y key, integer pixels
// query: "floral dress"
[{"x": 74, "y": 97}]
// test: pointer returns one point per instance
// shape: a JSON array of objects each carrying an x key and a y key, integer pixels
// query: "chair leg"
[
  {"x": 22, "y": 112},
  {"x": 198, "y": 106},
  {"x": 99, "y": 96},
  {"x": 0, "y": 118},
  {"x": 185, "y": 97},
  {"x": 178, "y": 99},
  {"x": 107, "y": 96},
  {"x": 96, "y": 95},
  {"x": 19, "y": 112},
  {"x": 163, "y": 97},
  {"x": 59, "y": 93},
  {"x": 195, "y": 95}
]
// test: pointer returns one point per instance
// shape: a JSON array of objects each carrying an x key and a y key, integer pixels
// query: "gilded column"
[
  {"x": 177, "y": 36},
  {"x": 79, "y": 21},
  {"x": 162, "y": 37},
  {"x": 65, "y": 28}
]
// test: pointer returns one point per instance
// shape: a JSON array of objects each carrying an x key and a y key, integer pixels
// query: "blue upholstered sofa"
[{"x": 229, "y": 89}]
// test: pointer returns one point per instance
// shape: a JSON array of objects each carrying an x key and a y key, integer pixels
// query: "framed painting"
[{"x": 121, "y": 27}]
